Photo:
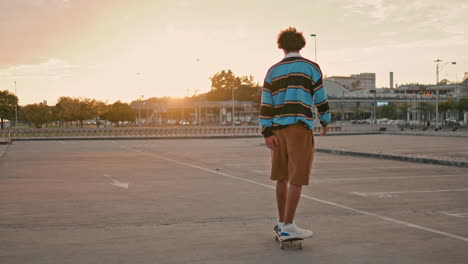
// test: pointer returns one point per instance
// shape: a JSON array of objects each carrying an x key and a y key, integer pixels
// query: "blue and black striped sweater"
[{"x": 289, "y": 90}]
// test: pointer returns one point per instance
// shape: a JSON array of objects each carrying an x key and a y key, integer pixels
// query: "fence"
[{"x": 136, "y": 132}]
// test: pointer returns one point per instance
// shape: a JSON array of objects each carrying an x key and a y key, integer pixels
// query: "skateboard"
[{"x": 287, "y": 243}]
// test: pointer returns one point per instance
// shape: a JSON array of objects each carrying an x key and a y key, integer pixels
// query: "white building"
[{"x": 361, "y": 81}]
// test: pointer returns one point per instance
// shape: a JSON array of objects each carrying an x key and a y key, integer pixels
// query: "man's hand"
[
  {"x": 324, "y": 130},
  {"x": 271, "y": 142}
]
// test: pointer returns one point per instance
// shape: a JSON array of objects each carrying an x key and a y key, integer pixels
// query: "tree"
[
  {"x": 463, "y": 104},
  {"x": 120, "y": 112},
  {"x": 389, "y": 111},
  {"x": 444, "y": 81},
  {"x": 427, "y": 108},
  {"x": 402, "y": 110},
  {"x": 446, "y": 106},
  {"x": 79, "y": 109},
  {"x": 68, "y": 108},
  {"x": 223, "y": 82},
  {"x": 8, "y": 104},
  {"x": 37, "y": 114}
]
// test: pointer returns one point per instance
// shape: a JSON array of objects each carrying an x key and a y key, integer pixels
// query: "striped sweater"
[{"x": 289, "y": 90}]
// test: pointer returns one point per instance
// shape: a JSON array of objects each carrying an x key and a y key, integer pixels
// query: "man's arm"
[
  {"x": 267, "y": 111},
  {"x": 321, "y": 102}
]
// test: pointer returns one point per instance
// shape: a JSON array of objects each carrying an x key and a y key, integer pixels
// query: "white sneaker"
[
  {"x": 278, "y": 226},
  {"x": 291, "y": 231}
]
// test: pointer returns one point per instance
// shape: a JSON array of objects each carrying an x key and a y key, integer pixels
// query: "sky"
[{"x": 124, "y": 50}]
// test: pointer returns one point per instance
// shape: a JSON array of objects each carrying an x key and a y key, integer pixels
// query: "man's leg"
[
  {"x": 293, "y": 196},
  {"x": 281, "y": 198}
]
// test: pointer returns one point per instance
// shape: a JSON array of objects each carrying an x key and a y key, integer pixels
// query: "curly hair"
[{"x": 291, "y": 40}]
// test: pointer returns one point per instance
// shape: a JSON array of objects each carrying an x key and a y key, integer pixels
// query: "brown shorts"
[{"x": 292, "y": 158}]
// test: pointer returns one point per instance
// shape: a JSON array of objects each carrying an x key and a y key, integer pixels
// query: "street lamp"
[
  {"x": 315, "y": 38},
  {"x": 374, "y": 110},
  {"x": 232, "y": 116},
  {"x": 437, "y": 90},
  {"x": 16, "y": 110}
]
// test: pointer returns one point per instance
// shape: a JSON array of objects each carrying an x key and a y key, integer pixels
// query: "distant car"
[
  {"x": 237, "y": 123},
  {"x": 184, "y": 123},
  {"x": 452, "y": 123}
]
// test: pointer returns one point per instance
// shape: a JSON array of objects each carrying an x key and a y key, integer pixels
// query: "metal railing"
[{"x": 156, "y": 132}]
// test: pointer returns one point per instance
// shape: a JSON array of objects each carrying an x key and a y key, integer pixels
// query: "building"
[
  {"x": 361, "y": 81},
  {"x": 187, "y": 111},
  {"x": 453, "y": 90},
  {"x": 366, "y": 80}
]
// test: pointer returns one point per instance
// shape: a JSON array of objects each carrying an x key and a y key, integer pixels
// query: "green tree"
[
  {"x": 37, "y": 114},
  {"x": 462, "y": 104},
  {"x": 462, "y": 107},
  {"x": 427, "y": 109},
  {"x": 120, "y": 112},
  {"x": 223, "y": 82},
  {"x": 8, "y": 104},
  {"x": 79, "y": 109},
  {"x": 389, "y": 111},
  {"x": 402, "y": 110},
  {"x": 444, "y": 107}
]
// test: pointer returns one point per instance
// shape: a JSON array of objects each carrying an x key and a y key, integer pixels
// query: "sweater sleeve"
[
  {"x": 267, "y": 109},
  {"x": 321, "y": 99},
  {"x": 321, "y": 102}
]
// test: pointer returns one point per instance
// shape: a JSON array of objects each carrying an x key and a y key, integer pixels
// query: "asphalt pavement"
[{"x": 210, "y": 201}]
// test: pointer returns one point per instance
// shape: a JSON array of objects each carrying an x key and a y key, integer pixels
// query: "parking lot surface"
[{"x": 210, "y": 201}]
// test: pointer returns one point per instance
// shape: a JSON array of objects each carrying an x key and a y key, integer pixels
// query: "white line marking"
[
  {"x": 245, "y": 164},
  {"x": 459, "y": 215},
  {"x": 395, "y": 194},
  {"x": 388, "y": 219},
  {"x": 116, "y": 182},
  {"x": 389, "y": 178},
  {"x": 366, "y": 168},
  {"x": 62, "y": 142},
  {"x": 315, "y": 169}
]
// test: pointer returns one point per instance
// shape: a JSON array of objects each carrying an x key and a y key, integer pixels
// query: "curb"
[
  {"x": 170, "y": 137},
  {"x": 460, "y": 164},
  {"x": 3, "y": 152},
  {"x": 5, "y": 141},
  {"x": 427, "y": 135},
  {"x": 125, "y": 138}
]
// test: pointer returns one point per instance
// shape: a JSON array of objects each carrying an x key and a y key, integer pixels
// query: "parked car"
[{"x": 451, "y": 122}]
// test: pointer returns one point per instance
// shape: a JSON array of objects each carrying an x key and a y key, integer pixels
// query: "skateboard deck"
[{"x": 287, "y": 243}]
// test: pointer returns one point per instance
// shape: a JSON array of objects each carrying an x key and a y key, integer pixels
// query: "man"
[{"x": 290, "y": 89}]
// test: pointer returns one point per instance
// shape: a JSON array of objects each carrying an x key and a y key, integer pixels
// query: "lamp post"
[
  {"x": 374, "y": 110},
  {"x": 232, "y": 116},
  {"x": 437, "y": 90},
  {"x": 16, "y": 109},
  {"x": 315, "y": 38}
]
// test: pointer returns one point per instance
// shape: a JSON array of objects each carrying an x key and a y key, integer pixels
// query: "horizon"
[{"x": 121, "y": 50}]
